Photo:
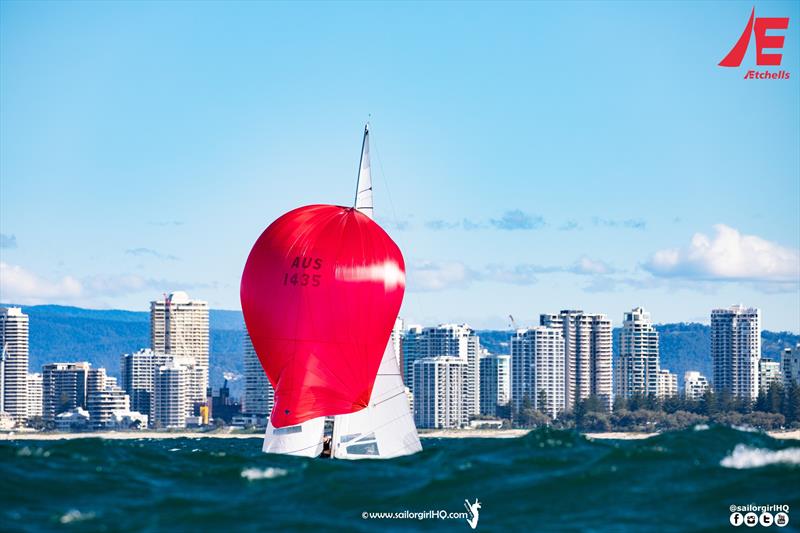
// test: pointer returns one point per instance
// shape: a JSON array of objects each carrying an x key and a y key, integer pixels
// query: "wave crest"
[
  {"x": 744, "y": 456},
  {"x": 252, "y": 474}
]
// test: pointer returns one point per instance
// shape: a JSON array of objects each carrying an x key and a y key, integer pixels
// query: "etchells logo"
[{"x": 759, "y": 26}]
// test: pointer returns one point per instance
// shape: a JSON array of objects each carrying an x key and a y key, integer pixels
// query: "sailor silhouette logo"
[
  {"x": 759, "y": 26},
  {"x": 474, "y": 510}
]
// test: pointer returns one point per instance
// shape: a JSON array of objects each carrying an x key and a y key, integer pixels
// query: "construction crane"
[{"x": 513, "y": 323}]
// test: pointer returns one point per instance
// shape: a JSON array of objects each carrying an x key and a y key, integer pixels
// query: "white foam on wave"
[
  {"x": 252, "y": 474},
  {"x": 74, "y": 515},
  {"x": 744, "y": 456},
  {"x": 700, "y": 427}
]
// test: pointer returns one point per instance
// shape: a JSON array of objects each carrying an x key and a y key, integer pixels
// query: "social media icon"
[
  {"x": 736, "y": 519},
  {"x": 765, "y": 519},
  {"x": 781, "y": 519},
  {"x": 751, "y": 519}
]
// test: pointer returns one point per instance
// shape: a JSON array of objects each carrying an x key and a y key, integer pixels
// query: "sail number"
[{"x": 297, "y": 276}]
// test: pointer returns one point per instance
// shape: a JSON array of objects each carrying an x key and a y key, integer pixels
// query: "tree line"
[{"x": 775, "y": 408}]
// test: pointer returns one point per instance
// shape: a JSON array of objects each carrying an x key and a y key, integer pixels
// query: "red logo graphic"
[{"x": 760, "y": 27}]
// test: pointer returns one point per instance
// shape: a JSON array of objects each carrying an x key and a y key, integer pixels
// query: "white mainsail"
[
  {"x": 385, "y": 428},
  {"x": 364, "y": 186}
]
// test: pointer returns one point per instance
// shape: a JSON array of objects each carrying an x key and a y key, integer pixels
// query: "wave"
[
  {"x": 548, "y": 480},
  {"x": 266, "y": 473},
  {"x": 74, "y": 515},
  {"x": 744, "y": 456}
]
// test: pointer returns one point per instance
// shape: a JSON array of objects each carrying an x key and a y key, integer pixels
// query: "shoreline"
[{"x": 793, "y": 434}]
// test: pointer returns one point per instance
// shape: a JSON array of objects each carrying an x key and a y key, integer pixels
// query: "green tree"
[
  {"x": 709, "y": 403},
  {"x": 541, "y": 401},
  {"x": 525, "y": 413},
  {"x": 791, "y": 408},
  {"x": 774, "y": 398}
]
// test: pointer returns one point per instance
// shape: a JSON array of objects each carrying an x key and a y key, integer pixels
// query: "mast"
[
  {"x": 384, "y": 428},
  {"x": 363, "y": 200}
]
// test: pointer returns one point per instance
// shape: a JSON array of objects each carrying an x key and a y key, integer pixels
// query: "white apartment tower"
[
  {"x": 588, "y": 355},
  {"x": 171, "y": 395},
  {"x": 736, "y": 350},
  {"x": 790, "y": 365},
  {"x": 179, "y": 327},
  {"x": 769, "y": 372},
  {"x": 137, "y": 371},
  {"x": 695, "y": 385},
  {"x": 259, "y": 396},
  {"x": 106, "y": 403},
  {"x": 35, "y": 403},
  {"x": 438, "y": 392},
  {"x": 667, "y": 384},
  {"x": 537, "y": 369},
  {"x": 637, "y": 373},
  {"x": 14, "y": 363},
  {"x": 453, "y": 340},
  {"x": 495, "y": 382}
]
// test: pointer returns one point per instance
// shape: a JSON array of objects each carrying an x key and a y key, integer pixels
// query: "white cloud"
[
  {"x": 437, "y": 276},
  {"x": 586, "y": 265},
  {"x": 728, "y": 256},
  {"x": 17, "y": 285}
]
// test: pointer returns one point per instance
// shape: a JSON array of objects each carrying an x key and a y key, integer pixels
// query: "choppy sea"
[{"x": 546, "y": 481}]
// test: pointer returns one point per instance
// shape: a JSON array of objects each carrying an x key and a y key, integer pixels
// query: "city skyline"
[
  {"x": 452, "y": 377},
  {"x": 567, "y": 190}
]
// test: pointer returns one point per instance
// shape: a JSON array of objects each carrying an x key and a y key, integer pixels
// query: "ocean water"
[{"x": 547, "y": 481}]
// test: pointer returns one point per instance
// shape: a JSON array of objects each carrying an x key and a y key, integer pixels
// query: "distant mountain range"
[{"x": 59, "y": 333}]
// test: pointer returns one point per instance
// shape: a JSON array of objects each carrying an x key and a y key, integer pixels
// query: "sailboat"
[{"x": 377, "y": 426}]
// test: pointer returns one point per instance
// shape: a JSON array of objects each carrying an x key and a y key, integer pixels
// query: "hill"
[{"x": 60, "y": 333}]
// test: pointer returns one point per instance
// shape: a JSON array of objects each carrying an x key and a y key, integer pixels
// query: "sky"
[{"x": 527, "y": 157}]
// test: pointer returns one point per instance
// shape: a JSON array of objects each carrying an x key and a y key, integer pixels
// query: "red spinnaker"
[{"x": 320, "y": 293}]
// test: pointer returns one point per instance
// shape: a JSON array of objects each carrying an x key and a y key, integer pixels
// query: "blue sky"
[{"x": 527, "y": 157}]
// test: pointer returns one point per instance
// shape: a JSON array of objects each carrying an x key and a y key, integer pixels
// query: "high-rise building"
[
  {"x": 413, "y": 347},
  {"x": 64, "y": 387},
  {"x": 588, "y": 355},
  {"x": 537, "y": 370},
  {"x": 790, "y": 365},
  {"x": 454, "y": 340},
  {"x": 667, "y": 384},
  {"x": 495, "y": 383},
  {"x": 179, "y": 327},
  {"x": 35, "y": 404},
  {"x": 637, "y": 370},
  {"x": 259, "y": 396},
  {"x": 172, "y": 393},
  {"x": 695, "y": 385},
  {"x": 438, "y": 384},
  {"x": 107, "y": 404},
  {"x": 137, "y": 370},
  {"x": 736, "y": 350},
  {"x": 14, "y": 363},
  {"x": 769, "y": 372}
]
